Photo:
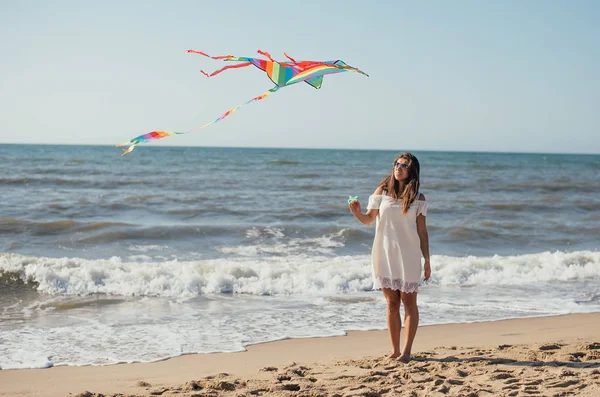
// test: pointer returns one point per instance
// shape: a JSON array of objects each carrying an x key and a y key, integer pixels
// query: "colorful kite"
[{"x": 282, "y": 74}]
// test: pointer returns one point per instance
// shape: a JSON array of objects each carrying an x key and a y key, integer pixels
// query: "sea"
[{"x": 178, "y": 250}]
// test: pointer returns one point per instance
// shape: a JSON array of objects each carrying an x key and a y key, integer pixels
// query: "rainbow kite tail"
[
  {"x": 227, "y": 113},
  {"x": 154, "y": 135},
  {"x": 132, "y": 144},
  {"x": 220, "y": 57},
  {"x": 290, "y": 58},
  {"x": 240, "y": 65},
  {"x": 223, "y": 58},
  {"x": 129, "y": 149},
  {"x": 261, "y": 52},
  {"x": 344, "y": 66},
  {"x": 150, "y": 136}
]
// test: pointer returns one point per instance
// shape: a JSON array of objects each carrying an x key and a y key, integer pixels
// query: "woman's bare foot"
[
  {"x": 393, "y": 355},
  {"x": 404, "y": 358}
]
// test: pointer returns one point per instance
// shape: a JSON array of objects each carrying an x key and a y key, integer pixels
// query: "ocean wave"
[
  {"x": 575, "y": 186},
  {"x": 14, "y": 180},
  {"x": 309, "y": 175},
  {"x": 167, "y": 199},
  {"x": 592, "y": 206},
  {"x": 574, "y": 229},
  {"x": 284, "y": 162},
  {"x": 462, "y": 233},
  {"x": 159, "y": 233},
  {"x": 188, "y": 213},
  {"x": 449, "y": 186},
  {"x": 355, "y": 235},
  {"x": 287, "y": 233},
  {"x": 523, "y": 206},
  {"x": 85, "y": 180},
  {"x": 274, "y": 276},
  {"x": 10, "y": 282},
  {"x": 589, "y": 298},
  {"x": 297, "y": 274},
  {"x": 23, "y": 226},
  {"x": 58, "y": 171},
  {"x": 504, "y": 225},
  {"x": 58, "y": 207},
  {"x": 316, "y": 187},
  {"x": 314, "y": 213},
  {"x": 278, "y": 241},
  {"x": 62, "y": 181}
]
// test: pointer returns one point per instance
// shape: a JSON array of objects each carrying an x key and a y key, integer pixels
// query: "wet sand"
[{"x": 549, "y": 356}]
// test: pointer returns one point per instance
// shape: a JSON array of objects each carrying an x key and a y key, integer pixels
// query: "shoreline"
[{"x": 323, "y": 351}]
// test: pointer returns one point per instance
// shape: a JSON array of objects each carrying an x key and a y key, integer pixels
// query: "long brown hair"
[{"x": 411, "y": 187}]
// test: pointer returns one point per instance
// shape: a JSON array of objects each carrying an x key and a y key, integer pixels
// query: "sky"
[{"x": 500, "y": 76}]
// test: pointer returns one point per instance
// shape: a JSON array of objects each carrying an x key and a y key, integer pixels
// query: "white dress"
[{"x": 396, "y": 254}]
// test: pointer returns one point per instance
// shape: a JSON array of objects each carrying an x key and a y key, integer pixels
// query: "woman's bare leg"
[
  {"x": 411, "y": 323},
  {"x": 393, "y": 319}
]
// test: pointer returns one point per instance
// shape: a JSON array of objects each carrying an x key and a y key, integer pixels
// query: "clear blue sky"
[{"x": 445, "y": 75}]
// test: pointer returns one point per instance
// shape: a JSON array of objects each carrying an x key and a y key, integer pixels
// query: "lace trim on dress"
[{"x": 396, "y": 284}]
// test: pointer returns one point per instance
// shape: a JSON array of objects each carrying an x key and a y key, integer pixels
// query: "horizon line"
[{"x": 312, "y": 148}]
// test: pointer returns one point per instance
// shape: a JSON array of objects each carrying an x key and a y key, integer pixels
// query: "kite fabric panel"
[{"x": 282, "y": 74}]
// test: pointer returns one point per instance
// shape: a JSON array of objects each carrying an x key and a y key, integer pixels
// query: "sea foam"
[{"x": 255, "y": 273}]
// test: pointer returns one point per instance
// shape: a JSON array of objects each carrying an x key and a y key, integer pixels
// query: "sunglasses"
[{"x": 403, "y": 166}]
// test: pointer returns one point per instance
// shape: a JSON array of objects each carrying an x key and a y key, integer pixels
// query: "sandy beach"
[{"x": 549, "y": 356}]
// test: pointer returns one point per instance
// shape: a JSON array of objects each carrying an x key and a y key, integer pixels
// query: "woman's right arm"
[{"x": 369, "y": 217}]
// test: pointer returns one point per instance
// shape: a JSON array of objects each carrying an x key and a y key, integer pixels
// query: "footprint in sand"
[
  {"x": 550, "y": 346},
  {"x": 158, "y": 392},
  {"x": 563, "y": 384},
  {"x": 592, "y": 355},
  {"x": 291, "y": 387},
  {"x": 143, "y": 384},
  {"x": 256, "y": 392},
  {"x": 592, "y": 346}
]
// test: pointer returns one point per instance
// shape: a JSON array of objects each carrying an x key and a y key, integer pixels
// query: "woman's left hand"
[{"x": 427, "y": 270}]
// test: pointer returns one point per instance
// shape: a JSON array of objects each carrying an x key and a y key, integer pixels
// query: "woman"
[{"x": 400, "y": 238}]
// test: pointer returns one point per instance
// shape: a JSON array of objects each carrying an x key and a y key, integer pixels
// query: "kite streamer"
[
  {"x": 282, "y": 74},
  {"x": 227, "y": 113}
]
